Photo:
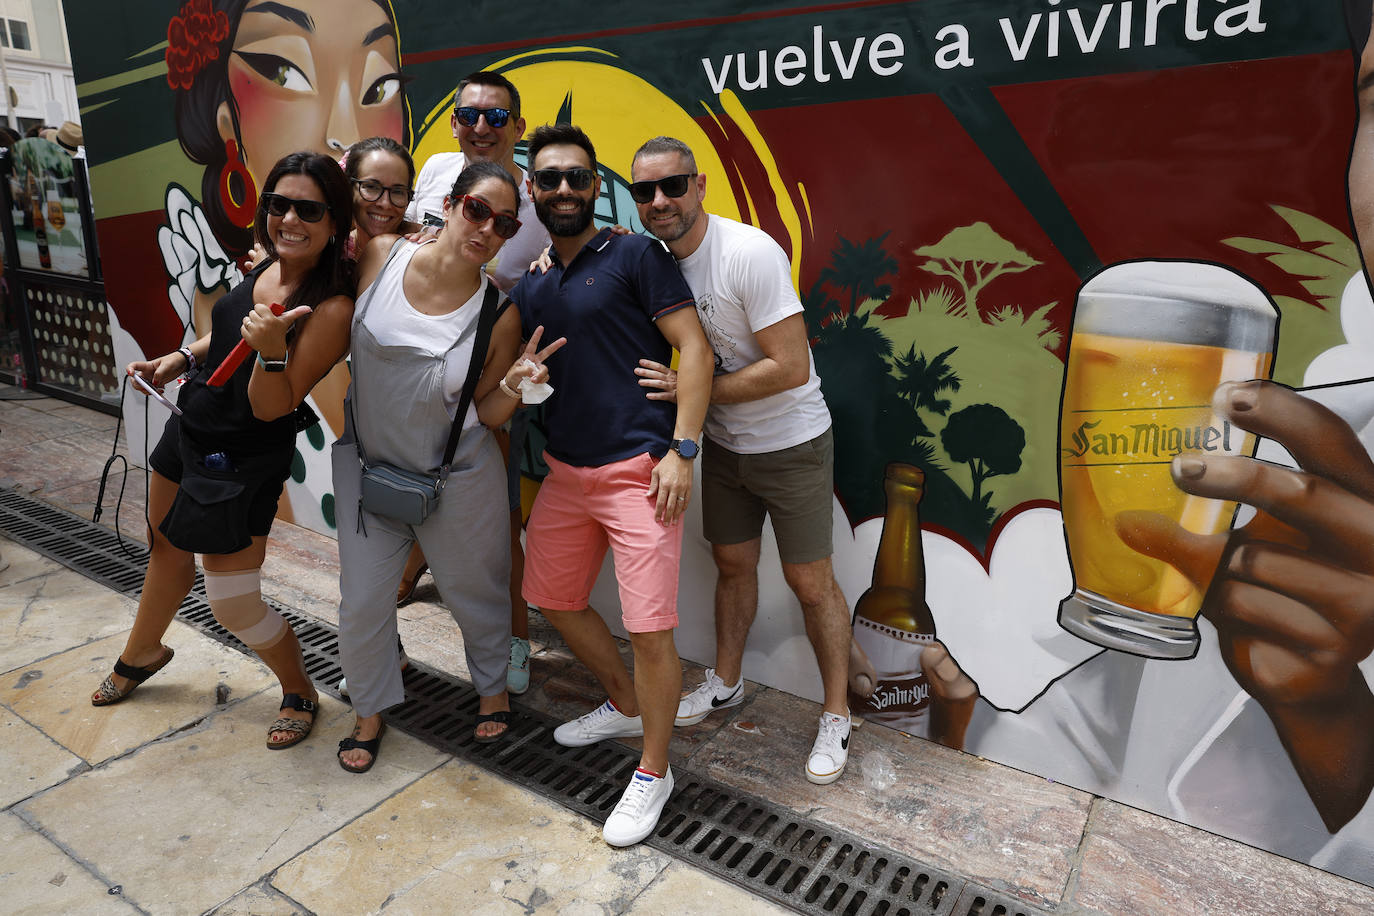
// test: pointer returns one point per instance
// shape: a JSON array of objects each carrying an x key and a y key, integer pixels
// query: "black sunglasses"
[
  {"x": 496, "y": 117},
  {"x": 311, "y": 211},
  {"x": 476, "y": 210},
  {"x": 673, "y": 186},
  {"x": 371, "y": 191},
  {"x": 552, "y": 179}
]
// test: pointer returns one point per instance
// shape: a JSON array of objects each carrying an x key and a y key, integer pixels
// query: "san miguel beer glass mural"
[{"x": 1151, "y": 341}]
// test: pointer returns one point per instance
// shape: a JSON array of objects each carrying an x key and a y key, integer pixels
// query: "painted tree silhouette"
[
  {"x": 857, "y": 269},
  {"x": 920, "y": 381},
  {"x": 973, "y": 256},
  {"x": 988, "y": 441}
]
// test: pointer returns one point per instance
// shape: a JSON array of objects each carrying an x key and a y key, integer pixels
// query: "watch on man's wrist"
[{"x": 686, "y": 448}]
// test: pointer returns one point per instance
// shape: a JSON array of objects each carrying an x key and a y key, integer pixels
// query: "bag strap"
[{"x": 485, "y": 322}]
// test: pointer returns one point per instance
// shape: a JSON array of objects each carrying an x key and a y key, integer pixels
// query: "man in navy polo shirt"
[{"x": 620, "y": 466}]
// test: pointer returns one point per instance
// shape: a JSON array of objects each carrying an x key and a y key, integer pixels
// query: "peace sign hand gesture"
[{"x": 530, "y": 365}]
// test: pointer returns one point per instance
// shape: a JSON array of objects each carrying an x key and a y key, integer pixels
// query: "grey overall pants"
[{"x": 402, "y": 420}]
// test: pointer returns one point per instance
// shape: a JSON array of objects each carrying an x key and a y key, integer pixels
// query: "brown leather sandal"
[
  {"x": 299, "y": 728},
  {"x": 107, "y": 694},
  {"x": 406, "y": 590}
]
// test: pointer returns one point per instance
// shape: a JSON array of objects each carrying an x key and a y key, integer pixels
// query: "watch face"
[{"x": 687, "y": 448}]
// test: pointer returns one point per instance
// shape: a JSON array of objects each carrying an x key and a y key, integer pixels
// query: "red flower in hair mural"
[{"x": 193, "y": 40}]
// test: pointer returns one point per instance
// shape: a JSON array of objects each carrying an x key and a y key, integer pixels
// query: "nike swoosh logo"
[
  {"x": 845, "y": 743},
  {"x": 717, "y": 704}
]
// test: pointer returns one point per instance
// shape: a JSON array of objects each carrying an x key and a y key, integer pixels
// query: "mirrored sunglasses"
[
  {"x": 476, "y": 210},
  {"x": 673, "y": 186},
  {"x": 496, "y": 117},
  {"x": 370, "y": 190},
  {"x": 311, "y": 211},
  {"x": 552, "y": 179}
]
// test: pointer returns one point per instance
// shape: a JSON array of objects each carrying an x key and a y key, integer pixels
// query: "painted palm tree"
[
  {"x": 857, "y": 269},
  {"x": 920, "y": 381}
]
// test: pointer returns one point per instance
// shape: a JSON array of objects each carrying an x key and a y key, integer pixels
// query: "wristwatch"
[
  {"x": 272, "y": 365},
  {"x": 686, "y": 448}
]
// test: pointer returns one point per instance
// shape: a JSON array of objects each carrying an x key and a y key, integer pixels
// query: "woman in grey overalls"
[{"x": 413, "y": 338}]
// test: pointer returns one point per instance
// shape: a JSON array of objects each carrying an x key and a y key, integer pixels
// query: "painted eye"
[
  {"x": 278, "y": 70},
  {"x": 384, "y": 89}
]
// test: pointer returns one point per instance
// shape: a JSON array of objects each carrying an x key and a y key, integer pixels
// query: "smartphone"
[{"x": 153, "y": 393}]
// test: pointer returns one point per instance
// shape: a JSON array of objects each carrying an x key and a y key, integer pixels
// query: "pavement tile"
[
  {"x": 216, "y": 808},
  {"x": 39, "y": 879},
  {"x": 1002, "y": 828},
  {"x": 463, "y": 841},
  {"x": 33, "y": 761},
  {"x": 54, "y": 694},
  {"x": 23, "y": 564},
  {"x": 1135, "y": 862},
  {"x": 683, "y": 889},
  {"x": 48, "y": 613},
  {"x": 259, "y": 900},
  {"x": 48, "y": 465},
  {"x": 79, "y": 498}
]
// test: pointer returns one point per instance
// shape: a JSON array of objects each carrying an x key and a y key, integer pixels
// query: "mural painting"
[{"x": 1082, "y": 291}]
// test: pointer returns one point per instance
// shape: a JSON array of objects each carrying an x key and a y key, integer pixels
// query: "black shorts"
[{"x": 256, "y": 482}]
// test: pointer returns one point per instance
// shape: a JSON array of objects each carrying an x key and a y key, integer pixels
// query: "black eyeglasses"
[
  {"x": 673, "y": 186},
  {"x": 496, "y": 117},
  {"x": 311, "y": 211},
  {"x": 476, "y": 210},
  {"x": 371, "y": 191},
  {"x": 552, "y": 179}
]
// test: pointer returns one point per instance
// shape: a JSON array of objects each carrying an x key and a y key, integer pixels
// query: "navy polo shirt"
[{"x": 605, "y": 302}]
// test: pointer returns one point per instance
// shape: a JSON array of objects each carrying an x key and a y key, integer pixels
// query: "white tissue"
[{"x": 533, "y": 392}]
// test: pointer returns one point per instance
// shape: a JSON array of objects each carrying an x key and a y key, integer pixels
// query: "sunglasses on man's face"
[
  {"x": 673, "y": 186},
  {"x": 371, "y": 191},
  {"x": 476, "y": 210},
  {"x": 311, "y": 211},
  {"x": 496, "y": 117},
  {"x": 552, "y": 179}
]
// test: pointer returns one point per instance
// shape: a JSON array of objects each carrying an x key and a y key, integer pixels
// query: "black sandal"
[
  {"x": 107, "y": 694},
  {"x": 299, "y": 728},
  {"x": 501, "y": 717},
  {"x": 373, "y": 746}
]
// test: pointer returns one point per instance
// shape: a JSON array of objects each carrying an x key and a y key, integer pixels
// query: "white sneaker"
[
  {"x": 713, "y": 694},
  {"x": 405, "y": 663},
  {"x": 636, "y": 814},
  {"x": 831, "y": 750},
  {"x": 603, "y": 722}
]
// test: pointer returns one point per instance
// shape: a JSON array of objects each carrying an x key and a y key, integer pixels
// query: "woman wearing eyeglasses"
[
  {"x": 414, "y": 337},
  {"x": 381, "y": 172},
  {"x": 219, "y": 468}
]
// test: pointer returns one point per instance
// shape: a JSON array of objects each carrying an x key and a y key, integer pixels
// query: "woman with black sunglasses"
[
  {"x": 218, "y": 470},
  {"x": 415, "y": 336}
]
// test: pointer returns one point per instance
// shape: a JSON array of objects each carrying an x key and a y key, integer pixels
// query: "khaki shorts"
[{"x": 793, "y": 486}]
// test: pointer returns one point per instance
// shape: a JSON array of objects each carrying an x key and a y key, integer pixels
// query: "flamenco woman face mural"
[{"x": 257, "y": 79}]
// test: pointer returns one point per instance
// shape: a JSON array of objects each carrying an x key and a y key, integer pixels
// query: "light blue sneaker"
[{"x": 518, "y": 670}]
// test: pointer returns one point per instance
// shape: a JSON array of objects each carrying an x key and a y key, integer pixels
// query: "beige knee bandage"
[{"x": 236, "y": 599}]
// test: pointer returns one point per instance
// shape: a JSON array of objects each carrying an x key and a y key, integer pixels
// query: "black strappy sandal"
[
  {"x": 107, "y": 694},
  {"x": 501, "y": 717},
  {"x": 373, "y": 746},
  {"x": 299, "y": 728}
]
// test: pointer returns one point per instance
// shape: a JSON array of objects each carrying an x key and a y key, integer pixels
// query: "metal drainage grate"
[{"x": 757, "y": 844}]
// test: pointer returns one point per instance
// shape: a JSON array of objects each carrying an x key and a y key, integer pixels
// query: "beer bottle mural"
[
  {"x": 892, "y": 622},
  {"x": 1151, "y": 342}
]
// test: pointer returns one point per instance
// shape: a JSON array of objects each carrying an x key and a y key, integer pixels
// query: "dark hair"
[
  {"x": 331, "y": 275},
  {"x": 559, "y": 135},
  {"x": 358, "y": 152},
  {"x": 197, "y": 120},
  {"x": 660, "y": 145},
  {"x": 494, "y": 79},
  {"x": 480, "y": 170}
]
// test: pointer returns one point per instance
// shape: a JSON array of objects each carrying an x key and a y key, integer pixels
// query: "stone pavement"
[{"x": 170, "y": 803}]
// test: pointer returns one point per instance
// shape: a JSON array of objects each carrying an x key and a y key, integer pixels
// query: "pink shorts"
[{"x": 578, "y": 512}]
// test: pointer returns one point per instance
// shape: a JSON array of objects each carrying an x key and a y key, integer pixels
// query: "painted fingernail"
[{"x": 1189, "y": 467}]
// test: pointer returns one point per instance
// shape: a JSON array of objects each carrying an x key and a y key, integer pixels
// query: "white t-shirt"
[
  {"x": 391, "y": 319},
  {"x": 742, "y": 283},
  {"x": 432, "y": 186}
]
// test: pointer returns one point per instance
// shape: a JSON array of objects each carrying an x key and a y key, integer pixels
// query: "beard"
[
  {"x": 565, "y": 224},
  {"x": 678, "y": 227}
]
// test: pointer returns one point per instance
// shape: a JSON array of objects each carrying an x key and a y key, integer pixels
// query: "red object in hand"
[{"x": 236, "y": 357}]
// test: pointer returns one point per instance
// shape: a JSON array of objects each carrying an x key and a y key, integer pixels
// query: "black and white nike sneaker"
[
  {"x": 713, "y": 694},
  {"x": 831, "y": 750}
]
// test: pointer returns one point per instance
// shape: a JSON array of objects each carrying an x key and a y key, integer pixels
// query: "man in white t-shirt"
[
  {"x": 487, "y": 124},
  {"x": 768, "y": 448}
]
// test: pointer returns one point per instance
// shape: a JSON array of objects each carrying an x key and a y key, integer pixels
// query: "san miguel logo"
[
  {"x": 905, "y": 693},
  {"x": 1124, "y": 437}
]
